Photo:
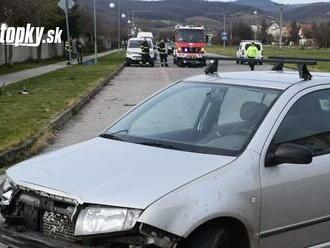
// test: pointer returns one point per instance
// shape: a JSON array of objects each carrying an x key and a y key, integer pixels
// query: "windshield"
[
  {"x": 197, "y": 117},
  {"x": 137, "y": 43},
  {"x": 190, "y": 35}
]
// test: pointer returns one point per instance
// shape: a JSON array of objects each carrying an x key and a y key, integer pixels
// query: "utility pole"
[
  {"x": 68, "y": 28},
  {"x": 119, "y": 23},
  {"x": 255, "y": 13},
  {"x": 95, "y": 36},
  {"x": 224, "y": 30},
  {"x": 231, "y": 29},
  {"x": 281, "y": 26}
]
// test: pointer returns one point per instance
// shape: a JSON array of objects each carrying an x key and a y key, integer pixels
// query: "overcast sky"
[{"x": 287, "y": 1}]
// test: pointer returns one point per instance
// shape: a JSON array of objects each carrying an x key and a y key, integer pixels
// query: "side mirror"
[
  {"x": 289, "y": 154},
  {"x": 206, "y": 38}
]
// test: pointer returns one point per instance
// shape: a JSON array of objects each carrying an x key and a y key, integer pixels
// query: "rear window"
[{"x": 257, "y": 45}]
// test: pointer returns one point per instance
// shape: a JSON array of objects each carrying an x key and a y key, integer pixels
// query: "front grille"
[
  {"x": 58, "y": 226},
  {"x": 191, "y": 49}
]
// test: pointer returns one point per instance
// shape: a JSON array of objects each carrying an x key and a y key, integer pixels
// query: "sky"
[{"x": 288, "y": 1}]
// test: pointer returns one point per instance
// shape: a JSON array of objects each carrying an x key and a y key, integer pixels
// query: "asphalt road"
[{"x": 125, "y": 91}]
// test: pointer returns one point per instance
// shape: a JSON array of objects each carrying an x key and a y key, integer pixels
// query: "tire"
[
  {"x": 260, "y": 63},
  {"x": 237, "y": 62},
  {"x": 212, "y": 236}
]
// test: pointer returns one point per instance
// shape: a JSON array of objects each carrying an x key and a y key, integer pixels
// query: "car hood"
[{"x": 109, "y": 172}]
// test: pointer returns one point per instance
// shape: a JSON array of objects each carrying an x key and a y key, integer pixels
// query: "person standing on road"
[
  {"x": 79, "y": 52},
  {"x": 163, "y": 53},
  {"x": 145, "y": 50},
  {"x": 68, "y": 50},
  {"x": 252, "y": 53}
]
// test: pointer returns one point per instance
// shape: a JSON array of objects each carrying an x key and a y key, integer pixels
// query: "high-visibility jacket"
[
  {"x": 252, "y": 51},
  {"x": 67, "y": 47}
]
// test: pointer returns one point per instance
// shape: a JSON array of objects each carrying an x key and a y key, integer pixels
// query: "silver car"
[{"x": 232, "y": 160}]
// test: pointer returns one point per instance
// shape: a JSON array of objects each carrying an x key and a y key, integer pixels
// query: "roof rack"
[
  {"x": 299, "y": 58},
  {"x": 277, "y": 61}
]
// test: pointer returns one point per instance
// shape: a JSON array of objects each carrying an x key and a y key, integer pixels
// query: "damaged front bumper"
[{"x": 37, "y": 219}]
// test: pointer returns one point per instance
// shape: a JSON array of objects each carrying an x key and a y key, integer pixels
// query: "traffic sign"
[
  {"x": 224, "y": 38},
  {"x": 62, "y": 4},
  {"x": 224, "y": 34}
]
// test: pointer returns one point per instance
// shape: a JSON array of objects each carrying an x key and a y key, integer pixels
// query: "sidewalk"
[{"x": 26, "y": 74}]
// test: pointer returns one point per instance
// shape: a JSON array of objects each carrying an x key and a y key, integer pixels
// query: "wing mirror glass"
[{"x": 289, "y": 154}]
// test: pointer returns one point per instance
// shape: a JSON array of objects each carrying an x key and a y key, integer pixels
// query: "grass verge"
[
  {"x": 22, "y": 116},
  {"x": 30, "y": 64},
  {"x": 289, "y": 52}
]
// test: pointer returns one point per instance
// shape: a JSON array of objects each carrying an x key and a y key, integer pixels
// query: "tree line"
[{"x": 46, "y": 13}]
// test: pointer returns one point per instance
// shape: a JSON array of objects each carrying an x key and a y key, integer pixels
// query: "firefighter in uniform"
[
  {"x": 163, "y": 53},
  {"x": 252, "y": 53},
  {"x": 68, "y": 50},
  {"x": 79, "y": 50},
  {"x": 145, "y": 52}
]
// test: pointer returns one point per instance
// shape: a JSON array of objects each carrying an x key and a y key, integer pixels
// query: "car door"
[{"x": 296, "y": 198}]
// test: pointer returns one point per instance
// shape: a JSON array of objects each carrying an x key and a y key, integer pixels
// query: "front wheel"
[{"x": 209, "y": 237}]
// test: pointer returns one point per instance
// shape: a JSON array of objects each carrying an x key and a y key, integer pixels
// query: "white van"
[
  {"x": 244, "y": 45},
  {"x": 148, "y": 36},
  {"x": 133, "y": 52}
]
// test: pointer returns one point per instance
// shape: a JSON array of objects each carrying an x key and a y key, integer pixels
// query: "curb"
[{"x": 35, "y": 144}]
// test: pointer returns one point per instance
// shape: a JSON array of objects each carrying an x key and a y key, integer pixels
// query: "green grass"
[
  {"x": 30, "y": 64},
  {"x": 290, "y": 52},
  {"x": 22, "y": 116}
]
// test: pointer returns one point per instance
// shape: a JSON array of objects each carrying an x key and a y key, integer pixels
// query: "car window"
[
  {"x": 181, "y": 112},
  {"x": 198, "y": 117},
  {"x": 308, "y": 123},
  {"x": 258, "y": 46}
]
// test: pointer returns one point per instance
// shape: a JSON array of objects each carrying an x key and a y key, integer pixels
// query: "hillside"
[
  {"x": 267, "y": 5},
  {"x": 317, "y": 12},
  {"x": 163, "y": 15}
]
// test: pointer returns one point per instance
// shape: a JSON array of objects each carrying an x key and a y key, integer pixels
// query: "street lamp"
[
  {"x": 128, "y": 27},
  {"x": 255, "y": 13},
  {"x": 112, "y": 5}
]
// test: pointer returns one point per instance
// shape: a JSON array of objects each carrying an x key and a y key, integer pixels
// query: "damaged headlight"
[
  {"x": 6, "y": 191},
  {"x": 96, "y": 220}
]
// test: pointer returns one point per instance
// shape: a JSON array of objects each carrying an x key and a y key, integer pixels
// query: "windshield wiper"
[
  {"x": 111, "y": 136},
  {"x": 161, "y": 145}
]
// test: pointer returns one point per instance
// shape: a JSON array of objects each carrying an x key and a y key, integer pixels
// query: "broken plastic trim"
[{"x": 159, "y": 237}]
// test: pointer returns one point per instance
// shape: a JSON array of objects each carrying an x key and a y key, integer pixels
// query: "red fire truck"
[{"x": 189, "y": 45}]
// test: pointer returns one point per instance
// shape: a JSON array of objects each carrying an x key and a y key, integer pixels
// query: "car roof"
[
  {"x": 139, "y": 39},
  {"x": 265, "y": 79},
  {"x": 250, "y": 41}
]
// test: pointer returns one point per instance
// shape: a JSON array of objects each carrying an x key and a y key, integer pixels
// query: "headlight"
[{"x": 96, "y": 220}]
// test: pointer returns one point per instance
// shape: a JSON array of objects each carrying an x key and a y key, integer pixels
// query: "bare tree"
[{"x": 294, "y": 29}]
